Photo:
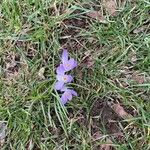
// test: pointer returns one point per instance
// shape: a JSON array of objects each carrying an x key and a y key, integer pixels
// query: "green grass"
[{"x": 35, "y": 32}]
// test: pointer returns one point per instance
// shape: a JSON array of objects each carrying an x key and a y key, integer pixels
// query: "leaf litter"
[
  {"x": 97, "y": 15},
  {"x": 12, "y": 65},
  {"x": 110, "y": 6},
  {"x": 107, "y": 116},
  {"x": 121, "y": 111}
]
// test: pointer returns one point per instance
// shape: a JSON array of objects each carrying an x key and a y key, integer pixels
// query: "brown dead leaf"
[
  {"x": 97, "y": 15},
  {"x": 138, "y": 78},
  {"x": 120, "y": 111},
  {"x": 110, "y": 6}
]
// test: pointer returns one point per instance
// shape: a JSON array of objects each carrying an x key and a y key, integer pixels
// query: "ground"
[{"x": 111, "y": 42}]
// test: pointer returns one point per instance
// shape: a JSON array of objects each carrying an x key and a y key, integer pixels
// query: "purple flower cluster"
[{"x": 63, "y": 78}]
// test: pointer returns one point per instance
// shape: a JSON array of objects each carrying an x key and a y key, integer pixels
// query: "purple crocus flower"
[
  {"x": 61, "y": 77},
  {"x": 60, "y": 70},
  {"x": 68, "y": 64},
  {"x": 67, "y": 95}
]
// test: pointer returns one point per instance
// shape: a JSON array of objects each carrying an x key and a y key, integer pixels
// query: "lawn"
[{"x": 110, "y": 41}]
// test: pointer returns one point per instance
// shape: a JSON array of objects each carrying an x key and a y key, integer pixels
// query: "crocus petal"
[
  {"x": 70, "y": 64},
  {"x": 64, "y": 56},
  {"x": 69, "y": 95},
  {"x": 73, "y": 92},
  {"x": 64, "y": 88},
  {"x": 64, "y": 78},
  {"x": 60, "y": 69},
  {"x": 59, "y": 77},
  {"x": 70, "y": 78},
  {"x": 63, "y": 99},
  {"x": 59, "y": 85},
  {"x": 73, "y": 62}
]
